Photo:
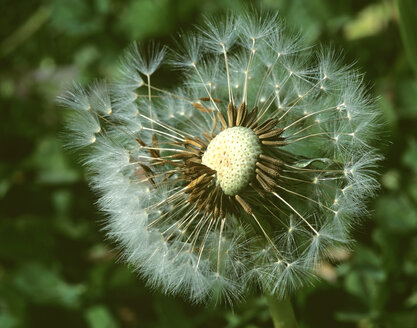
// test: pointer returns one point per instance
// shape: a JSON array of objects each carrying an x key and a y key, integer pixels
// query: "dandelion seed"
[{"x": 240, "y": 177}]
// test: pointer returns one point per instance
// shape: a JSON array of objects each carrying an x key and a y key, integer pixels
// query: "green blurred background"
[{"x": 57, "y": 269}]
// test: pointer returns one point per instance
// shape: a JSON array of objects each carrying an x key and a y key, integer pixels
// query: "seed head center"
[{"x": 233, "y": 154}]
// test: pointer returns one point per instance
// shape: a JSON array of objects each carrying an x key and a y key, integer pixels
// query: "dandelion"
[{"x": 246, "y": 175}]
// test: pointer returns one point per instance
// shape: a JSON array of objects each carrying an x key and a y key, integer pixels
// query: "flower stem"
[{"x": 281, "y": 312}]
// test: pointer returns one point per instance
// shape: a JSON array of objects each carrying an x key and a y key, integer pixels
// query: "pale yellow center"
[{"x": 233, "y": 154}]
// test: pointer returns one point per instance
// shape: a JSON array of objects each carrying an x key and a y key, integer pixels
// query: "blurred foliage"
[{"x": 57, "y": 269}]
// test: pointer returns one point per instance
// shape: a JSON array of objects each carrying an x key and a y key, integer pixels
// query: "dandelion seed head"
[{"x": 245, "y": 174}]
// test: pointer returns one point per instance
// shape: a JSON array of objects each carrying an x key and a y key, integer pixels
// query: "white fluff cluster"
[{"x": 326, "y": 171}]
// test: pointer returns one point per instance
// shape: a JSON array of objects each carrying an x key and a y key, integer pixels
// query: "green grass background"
[{"x": 57, "y": 269}]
